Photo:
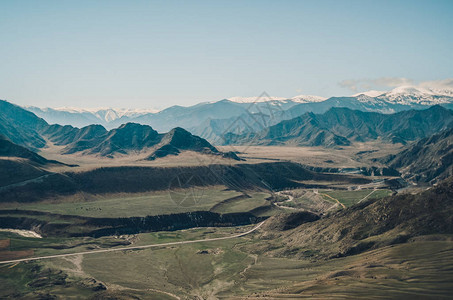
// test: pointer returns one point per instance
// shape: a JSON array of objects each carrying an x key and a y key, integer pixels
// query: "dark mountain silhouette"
[{"x": 428, "y": 160}]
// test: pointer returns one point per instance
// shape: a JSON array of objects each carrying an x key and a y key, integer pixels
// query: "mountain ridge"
[{"x": 342, "y": 126}]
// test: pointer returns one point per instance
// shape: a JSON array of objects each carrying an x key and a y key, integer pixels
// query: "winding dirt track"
[
  {"x": 336, "y": 200},
  {"x": 132, "y": 248}
]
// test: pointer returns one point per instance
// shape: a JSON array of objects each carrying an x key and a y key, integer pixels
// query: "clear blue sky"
[{"x": 159, "y": 53}]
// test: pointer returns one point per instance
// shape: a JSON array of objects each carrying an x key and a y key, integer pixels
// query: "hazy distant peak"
[
  {"x": 83, "y": 116},
  {"x": 119, "y": 112},
  {"x": 255, "y": 99}
]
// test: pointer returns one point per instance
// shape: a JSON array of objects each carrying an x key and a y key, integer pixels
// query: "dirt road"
[{"x": 132, "y": 248}]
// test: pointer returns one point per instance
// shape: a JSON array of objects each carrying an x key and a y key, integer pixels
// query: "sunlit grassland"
[
  {"x": 168, "y": 268},
  {"x": 349, "y": 198},
  {"x": 234, "y": 267}
]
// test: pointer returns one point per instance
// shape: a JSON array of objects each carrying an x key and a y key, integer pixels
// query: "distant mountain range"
[
  {"x": 80, "y": 117},
  {"x": 331, "y": 128},
  {"x": 342, "y": 126},
  {"x": 212, "y": 120},
  {"x": 428, "y": 156},
  {"x": 21, "y": 127}
]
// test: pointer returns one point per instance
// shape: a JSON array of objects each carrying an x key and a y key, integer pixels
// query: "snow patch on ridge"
[{"x": 372, "y": 93}]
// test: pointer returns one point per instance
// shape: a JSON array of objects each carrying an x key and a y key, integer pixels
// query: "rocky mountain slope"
[
  {"x": 127, "y": 139},
  {"x": 21, "y": 126},
  {"x": 427, "y": 160},
  {"x": 368, "y": 225}
]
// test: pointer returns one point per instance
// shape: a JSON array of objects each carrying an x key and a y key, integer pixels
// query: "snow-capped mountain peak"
[
  {"x": 421, "y": 91},
  {"x": 298, "y": 99},
  {"x": 409, "y": 90},
  {"x": 407, "y": 95}
]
